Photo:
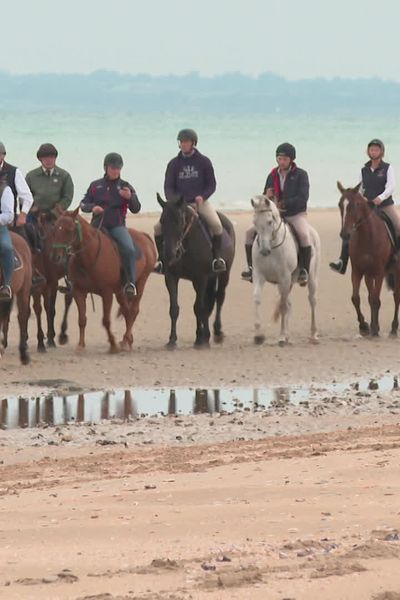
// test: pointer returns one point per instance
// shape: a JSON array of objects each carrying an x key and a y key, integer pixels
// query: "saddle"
[{"x": 389, "y": 227}]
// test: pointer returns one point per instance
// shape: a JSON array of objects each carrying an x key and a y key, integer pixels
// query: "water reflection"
[{"x": 142, "y": 402}]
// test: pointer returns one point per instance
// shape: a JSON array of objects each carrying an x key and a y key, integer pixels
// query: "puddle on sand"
[{"x": 142, "y": 402}]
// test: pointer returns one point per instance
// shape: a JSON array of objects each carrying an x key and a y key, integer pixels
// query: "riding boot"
[
  {"x": 304, "y": 264},
  {"x": 218, "y": 263},
  {"x": 7, "y": 262},
  {"x": 159, "y": 266},
  {"x": 248, "y": 275},
  {"x": 340, "y": 265},
  {"x": 67, "y": 288}
]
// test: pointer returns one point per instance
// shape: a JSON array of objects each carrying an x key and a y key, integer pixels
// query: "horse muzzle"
[{"x": 265, "y": 251}]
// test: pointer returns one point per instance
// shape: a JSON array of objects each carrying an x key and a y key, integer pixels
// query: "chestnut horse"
[
  {"x": 371, "y": 254},
  {"x": 21, "y": 288},
  {"x": 95, "y": 268}
]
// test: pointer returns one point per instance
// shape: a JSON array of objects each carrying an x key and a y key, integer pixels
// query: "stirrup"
[
  {"x": 303, "y": 277},
  {"x": 130, "y": 290},
  {"x": 248, "y": 275},
  {"x": 5, "y": 292},
  {"x": 159, "y": 267},
  {"x": 218, "y": 265},
  {"x": 337, "y": 266},
  {"x": 38, "y": 280},
  {"x": 65, "y": 289}
]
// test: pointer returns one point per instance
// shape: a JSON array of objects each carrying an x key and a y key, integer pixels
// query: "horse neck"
[
  {"x": 370, "y": 225},
  {"x": 89, "y": 245}
]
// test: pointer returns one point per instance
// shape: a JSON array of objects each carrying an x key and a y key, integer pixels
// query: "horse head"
[
  {"x": 354, "y": 209},
  {"x": 176, "y": 219},
  {"x": 67, "y": 235},
  {"x": 266, "y": 220}
]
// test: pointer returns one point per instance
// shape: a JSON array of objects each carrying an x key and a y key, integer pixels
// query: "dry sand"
[{"x": 293, "y": 502}]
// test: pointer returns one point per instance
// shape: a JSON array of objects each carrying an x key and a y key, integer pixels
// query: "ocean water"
[{"x": 241, "y": 148}]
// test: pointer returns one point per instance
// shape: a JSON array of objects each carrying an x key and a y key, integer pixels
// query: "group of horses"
[{"x": 93, "y": 264}]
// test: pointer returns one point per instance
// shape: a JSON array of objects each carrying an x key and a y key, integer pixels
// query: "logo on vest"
[{"x": 188, "y": 172}]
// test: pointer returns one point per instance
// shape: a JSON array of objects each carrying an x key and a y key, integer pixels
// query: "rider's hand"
[
  {"x": 97, "y": 210},
  {"x": 21, "y": 220},
  {"x": 270, "y": 193},
  {"x": 125, "y": 193},
  {"x": 199, "y": 200},
  {"x": 376, "y": 201}
]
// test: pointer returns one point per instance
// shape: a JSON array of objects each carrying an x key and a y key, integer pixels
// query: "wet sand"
[{"x": 297, "y": 501}]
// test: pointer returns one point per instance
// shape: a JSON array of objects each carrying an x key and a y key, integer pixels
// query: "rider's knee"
[{"x": 216, "y": 229}]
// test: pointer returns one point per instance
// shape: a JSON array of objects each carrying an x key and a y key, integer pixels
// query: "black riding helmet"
[
  {"x": 113, "y": 159},
  {"x": 286, "y": 149},
  {"x": 46, "y": 150},
  {"x": 188, "y": 134},
  {"x": 376, "y": 142}
]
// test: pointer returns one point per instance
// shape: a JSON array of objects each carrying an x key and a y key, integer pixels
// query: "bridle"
[
  {"x": 363, "y": 219},
  {"x": 194, "y": 215},
  {"x": 76, "y": 239},
  {"x": 274, "y": 231}
]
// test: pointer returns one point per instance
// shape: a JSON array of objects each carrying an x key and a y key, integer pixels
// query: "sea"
[{"x": 241, "y": 147}]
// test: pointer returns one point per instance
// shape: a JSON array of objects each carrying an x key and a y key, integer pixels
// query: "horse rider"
[
  {"x": 108, "y": 199},
  {"x": 6, "y": 247},
  {"x": 190, "y": 175},
  {"x": 377, "y": 185},
  {"x": 289, "y": 186}
]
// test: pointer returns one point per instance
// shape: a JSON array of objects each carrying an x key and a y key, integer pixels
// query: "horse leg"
[
  {"x": 107, "y": 299},
  {"x": 63, "y": 337},
  {"x": 396, "y": 297},
  {"x": 284, "y": 310},
  {"x": 259, "y": 336},
  {"x": 37, "y": 307},
  {"x": 50, "y": 306},
  {"x": 374, "y": 285},
  {"x": 80, "y": 299},
  {"x": 23, "y": 298},
  {"x": 172, "y": 286},
  {"x": 200, "y": 310},
  {"x": 222, "y": 283},
  {"x": 355, "y": 298},
  {"x": 130, "y": 312},
  {"x": 312, "y": 299}
]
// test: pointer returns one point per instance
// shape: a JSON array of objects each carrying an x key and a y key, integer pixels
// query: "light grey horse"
[{"x": 275, "y": 261}]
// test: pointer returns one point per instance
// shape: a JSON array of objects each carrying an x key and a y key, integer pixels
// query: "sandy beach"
[{"x": 296, "y": 501}]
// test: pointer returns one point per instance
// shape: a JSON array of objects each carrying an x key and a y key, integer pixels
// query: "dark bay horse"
[
  {"x": 95, "y": 268},
  {"x": 188, "y": 255},
  {"x": 21, "y": 288},
  {"x": 48, "y": 291},
  {"x": 371, "y": 255}
]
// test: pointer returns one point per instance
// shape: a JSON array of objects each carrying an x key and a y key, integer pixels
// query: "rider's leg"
[
  {"x": 340, "y": 265},
  {"x": 248, "y": 247},
  {"x": 128, "y": 254},
  {"x": 300, "y": 224},
  {"x": 159, "y": 240},
  {"x": 208, "y": 212},
  {"x": 392, "y": 213},
  {"x": 6, "y": 262}
]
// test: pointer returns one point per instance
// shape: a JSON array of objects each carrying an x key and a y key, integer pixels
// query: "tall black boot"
[
  {"x": 218, "y": 263},
  {"x": 159, "y": 266},
  {"x": 304, "y": 264},
  {"x": 340, "y": 265},
  {"x": 247, "y": 275}
]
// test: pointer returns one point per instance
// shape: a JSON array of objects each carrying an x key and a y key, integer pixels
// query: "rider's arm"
[
  {"x": 299, "y": 200},
  {"x": 67, "y": 193},
  {"x": 7, "y": 207},
  {"x": 88, "y": 201},
  {"x": 133, "y": 202},
  {"x": 170, "y": 190},
  {"x": 23, "y": 191},
  {"x": 210, "y": 184},
  {"x": 269, "y": 183},
  {"x": 390, "y": 185}
]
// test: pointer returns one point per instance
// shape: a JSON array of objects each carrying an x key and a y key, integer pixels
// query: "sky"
[{"x": 303, "y": 39}]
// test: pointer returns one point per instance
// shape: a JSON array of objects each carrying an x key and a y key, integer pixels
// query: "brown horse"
[
  {"x": 371, "y": 255},
  {"x": 95, "y": 267},
  {"x": 21, "y": 289},
  {"x": 48, "y": 291}
]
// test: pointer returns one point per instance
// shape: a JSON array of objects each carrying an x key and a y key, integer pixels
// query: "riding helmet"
[
  {"x": 113, "y": 159},
  {"x": 46, "y": 150},
  {"x": 286, "y": 149},
  {"x": 188, "y": 134},
  {"x": 377, "y": 142}
]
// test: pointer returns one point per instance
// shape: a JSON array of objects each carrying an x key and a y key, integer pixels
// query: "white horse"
[{"x": 275, "y": 260}]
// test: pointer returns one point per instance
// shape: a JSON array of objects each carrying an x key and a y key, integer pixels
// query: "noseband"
[{"x": 76, "y": 237}]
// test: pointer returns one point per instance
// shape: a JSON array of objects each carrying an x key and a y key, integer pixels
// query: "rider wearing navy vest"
[{"x": 377, "y": 185}]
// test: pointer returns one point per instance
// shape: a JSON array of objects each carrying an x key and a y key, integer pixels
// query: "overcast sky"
[{"x": 296, "y": 39}]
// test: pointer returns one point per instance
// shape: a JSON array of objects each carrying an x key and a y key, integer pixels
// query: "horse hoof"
[
  {"x": 113, "y": 350},
  {"x": 63, "y": 339},
  {"x": 80, "y": 349},
  {"x": 364, "y": 330},
  {"x": 283, "y": 343},
  {"x": 259, "y": 339},
  {"x": 314, "y": 340},
  {"x": 393, "y": 334},
  {"x": 51, "y": 344},
  {"x": 170, "y": 345},
  {"x": 25, "y": 360},
  {"x": 41, "y": 349},
  {"x": 125, "y": 346},
  {"x": 201, "y": 345},
  {"x": 218, "y": 338}
]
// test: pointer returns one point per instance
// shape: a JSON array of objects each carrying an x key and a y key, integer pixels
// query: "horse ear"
[
  {"x": 340, "y": 187},
  {"x": 160, "y": 201},
  {"x": 266, "y": 200},
  {"x": 357, "y": 188},
  {"x": 252, "y": 202},
  {"x": 75, "y": 213}
]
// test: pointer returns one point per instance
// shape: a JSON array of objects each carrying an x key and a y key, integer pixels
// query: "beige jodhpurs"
[
  {"x": 392, "y": 212},
  {"x": 209, "y": 214},
  {"x": 300, "y": 224}
]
